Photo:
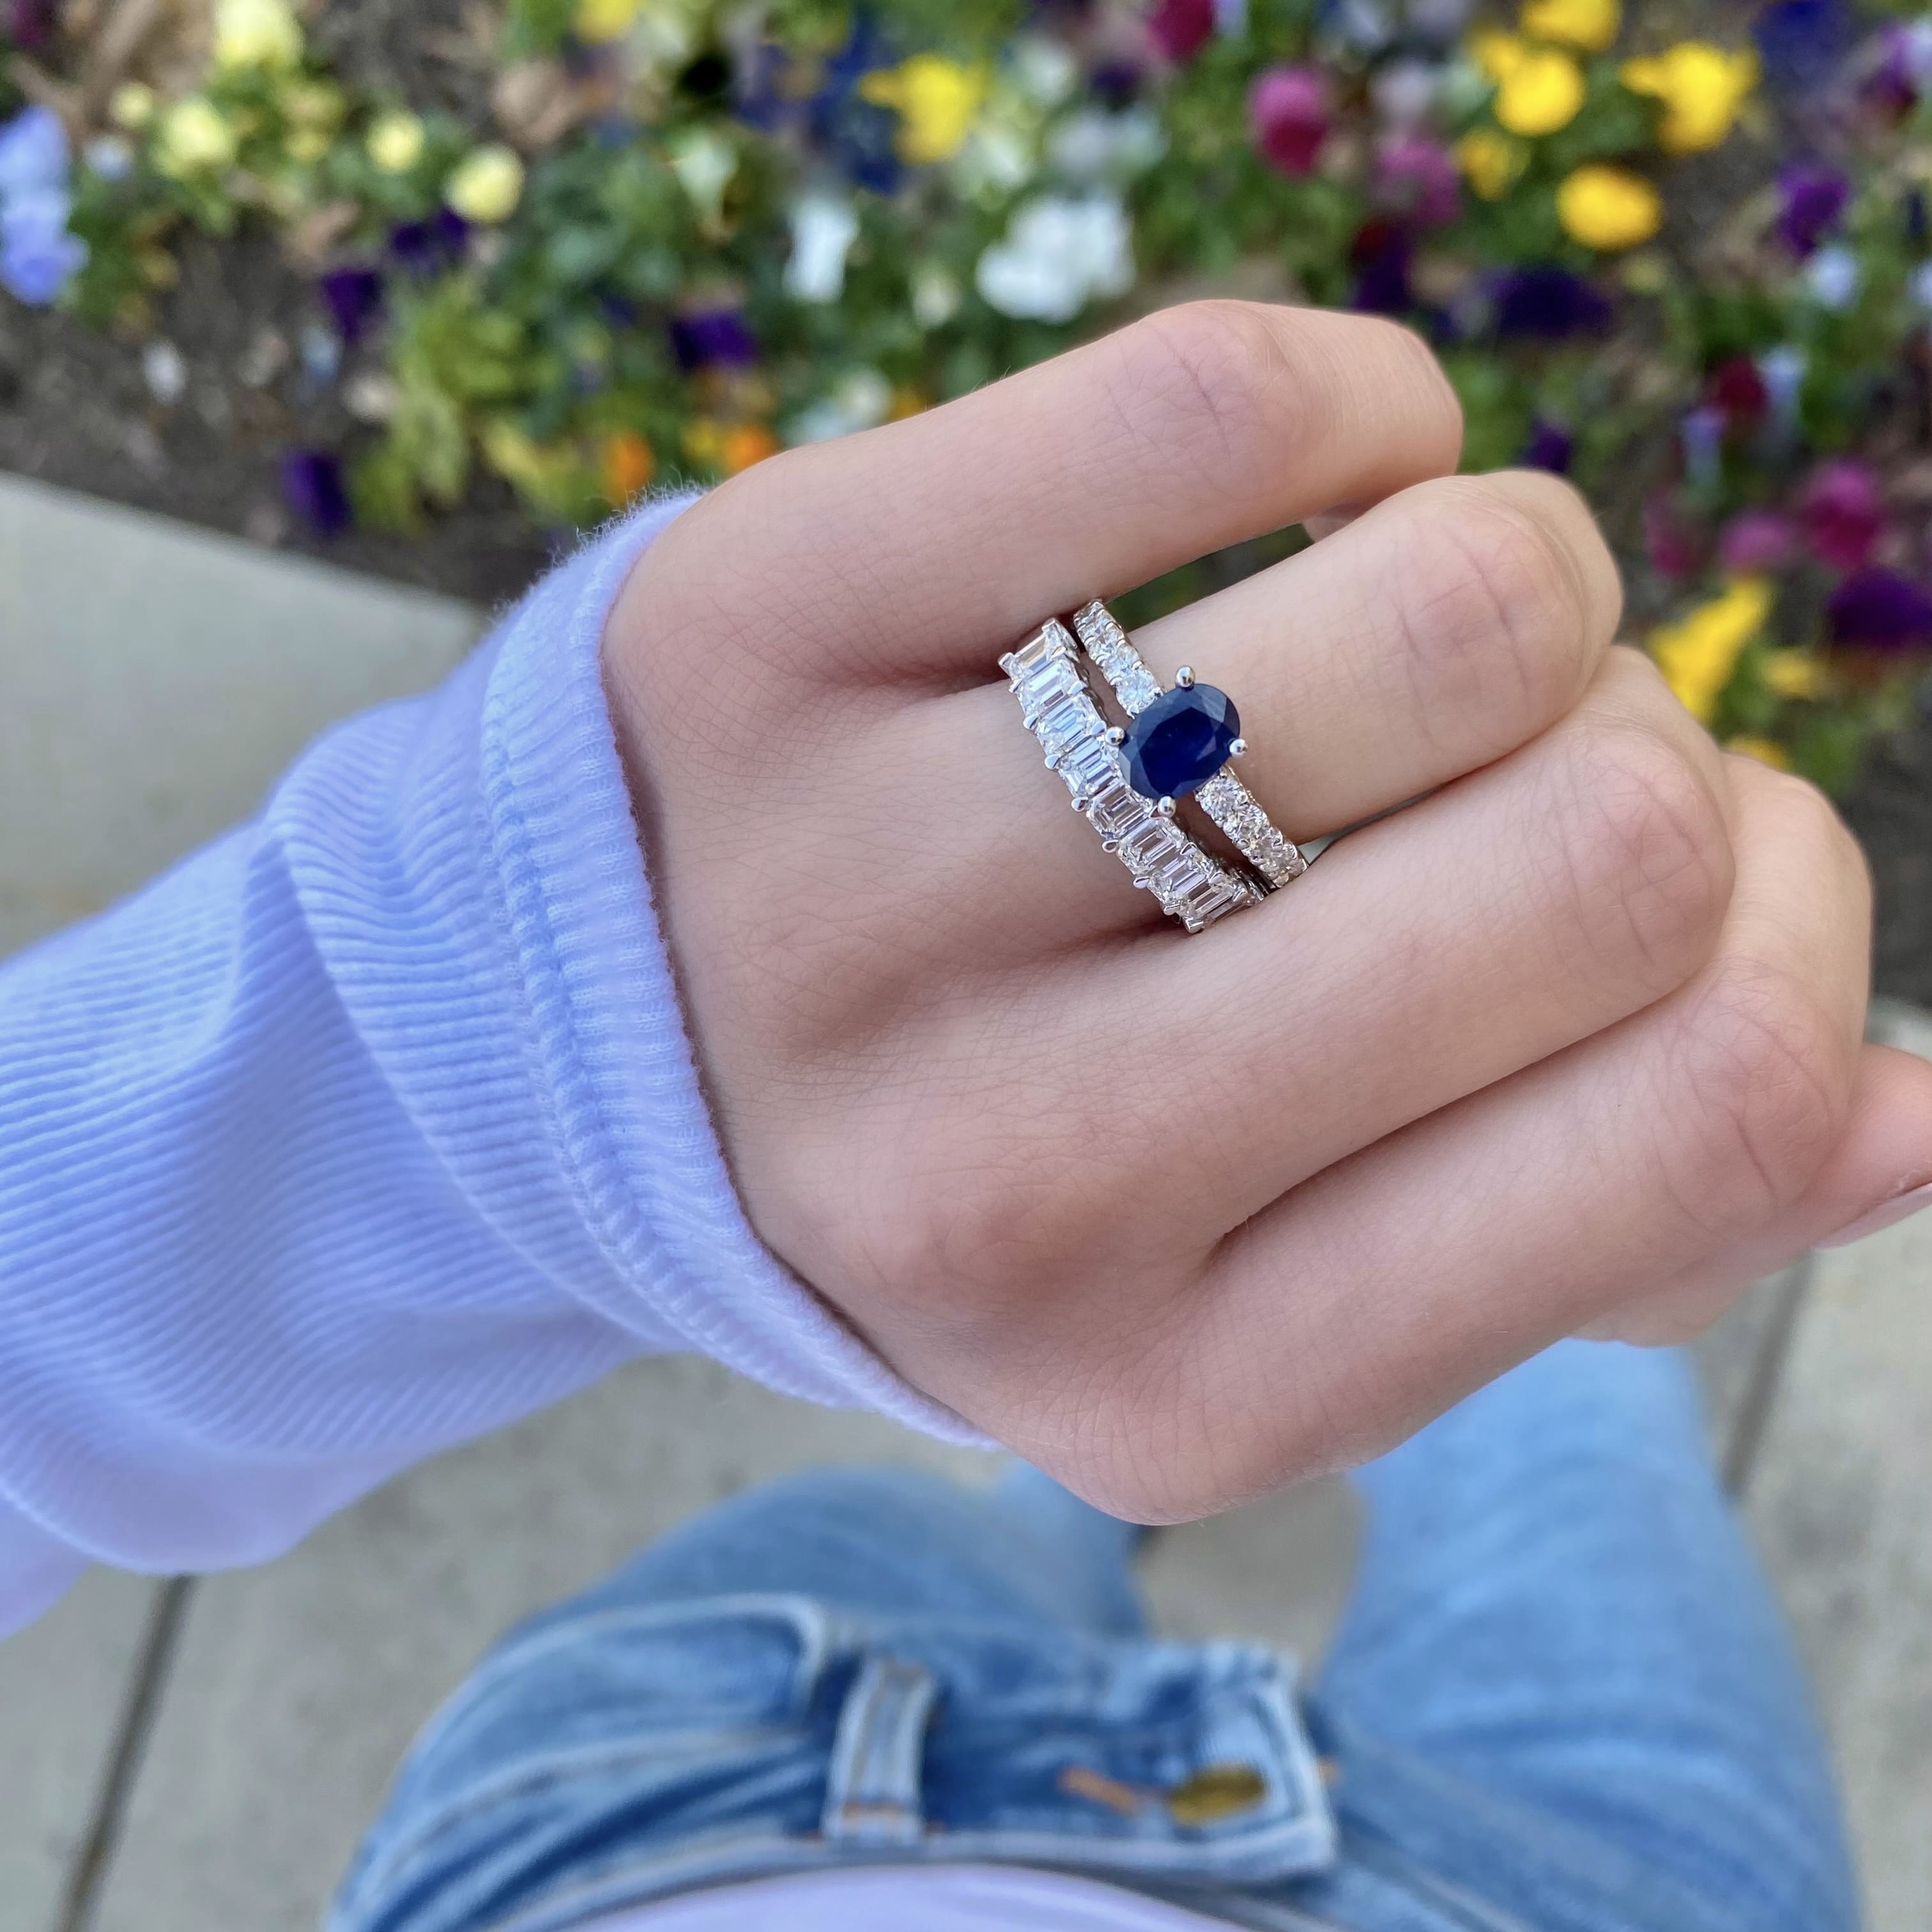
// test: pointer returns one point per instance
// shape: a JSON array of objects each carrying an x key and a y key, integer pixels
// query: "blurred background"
[{"x": 325, "y": 325}]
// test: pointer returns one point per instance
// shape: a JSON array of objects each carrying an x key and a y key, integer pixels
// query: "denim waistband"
[{"x": 600, "y": 1761}]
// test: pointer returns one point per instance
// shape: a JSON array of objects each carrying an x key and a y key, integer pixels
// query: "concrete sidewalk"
[{"x": 199, "y": 1757}]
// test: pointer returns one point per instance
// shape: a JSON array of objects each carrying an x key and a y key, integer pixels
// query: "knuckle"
[
  {"x": 985, "y": 1220},
  {"x": 1213, "y": 377},
  {"x": 1495, "y": 615},
  {"x": 1645, "y": 850},
  {"x": 1768, "y": 1076}
]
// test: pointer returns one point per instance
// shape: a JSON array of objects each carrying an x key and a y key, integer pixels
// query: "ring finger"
[{"x": 1446, "y": 628}]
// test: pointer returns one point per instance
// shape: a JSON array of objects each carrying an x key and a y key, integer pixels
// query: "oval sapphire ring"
[
  {"x": 1179, "y": 745},
  {"x": 1058, "y": 707}
]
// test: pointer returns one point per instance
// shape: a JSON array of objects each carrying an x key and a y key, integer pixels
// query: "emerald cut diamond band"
[{"x": 1059, "y": 708}]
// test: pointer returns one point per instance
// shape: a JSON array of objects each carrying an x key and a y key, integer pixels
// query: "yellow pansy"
[
  {"x": 1490, "y": 161},
  {"x": 1794, "y": 674},
  {"x": 256, "y": 33},
  {"x": 133, "y": 105},
  {"x": 396, "y": 141},
  {"x": 601, "y": 20},
  {"x": 1766, "y": 751},
  {"x": 195, "y": 137},
  {"x": 1497, "y": 53},
  {"x": 1541, "y": 92},
  {"x": 486, "y": 185},
  {"x": 1608, "y": 208},
  {"x": 1702, "y": 88},
  {"x": 1590, "y": 24},
  {"x": 1698, "y": 653},
  {"x": 938, "y": 101}
]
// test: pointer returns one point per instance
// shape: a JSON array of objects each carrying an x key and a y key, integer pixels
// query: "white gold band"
[
  {"x": 1224, "y": 798},
  {"x": 1059, "y": 708}
]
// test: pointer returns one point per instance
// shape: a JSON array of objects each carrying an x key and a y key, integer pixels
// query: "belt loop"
[{"x": 872, "y": 1794}]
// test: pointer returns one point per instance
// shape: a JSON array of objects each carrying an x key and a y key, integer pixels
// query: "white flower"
[
  {"x": 1092, "y": 145},
  {"x": 936, "y": 294},
  {"x": 1439, "y": 20},
  {"x": 704, "y": 162},
  {"x": 1782, "y": 370},
  {"x": 1363, "y": 25},
  {"x": 1059, "y": 254},
  {"x": 1045, "y": 69},
  {"x": 856, "y": 401},
  {"x": 823, "y": 227},
  {"x": 165, "y": 371},
  {"x": 1921, "y": 285},
  {"x": 1404, "y": 91},
  {"x": 110, "y": 156},
  {"x": 1918, "y": 50},
  {"x": 1834, "y": 276},
  {"x": 997, "y": 157}
]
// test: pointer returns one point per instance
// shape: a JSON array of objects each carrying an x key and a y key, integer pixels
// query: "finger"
[
  {"x": 1442, "y": 629},
  {"x": 930, "y": 545},
  {"x": 1386, "y": 1288},
  {"x": 1448, "y": 626},
  {"x": 1514, "y": 914},
  {"x": 1885, "y": 1157}
]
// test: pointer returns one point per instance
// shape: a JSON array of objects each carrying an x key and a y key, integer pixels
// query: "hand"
[{"x": 1573, "y": 1044}]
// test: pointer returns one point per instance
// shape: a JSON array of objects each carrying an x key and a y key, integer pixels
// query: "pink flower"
[
  {"x": 1842, "y": 514},
  {"x": 1757, "y": 541},
  {"x": 1670, "y": 540},
  {"x": 1417, "y": 179},
  {"x": 1288, "y": 109},
  {"x": 1180, "y": 29}
]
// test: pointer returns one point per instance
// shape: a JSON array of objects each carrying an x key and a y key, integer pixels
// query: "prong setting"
[
  {"x": 1184, "y": 677},
  {"x": 1238, "y": 749}
]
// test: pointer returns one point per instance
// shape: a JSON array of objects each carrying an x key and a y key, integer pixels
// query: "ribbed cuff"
[{"x": 617, "y": 1065}]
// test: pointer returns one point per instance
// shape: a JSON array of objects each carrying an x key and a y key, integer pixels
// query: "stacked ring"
[
  {"x": 1059, "y": 708},
  {"x": 1181, "y": 741}
]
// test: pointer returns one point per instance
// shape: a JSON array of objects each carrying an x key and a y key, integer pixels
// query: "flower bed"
[{"x": 637, "y": 238}]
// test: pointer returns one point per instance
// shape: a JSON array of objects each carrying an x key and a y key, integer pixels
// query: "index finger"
[{"x": 924, "y": 547}]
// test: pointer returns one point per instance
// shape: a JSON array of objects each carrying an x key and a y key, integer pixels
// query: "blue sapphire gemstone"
[{"x": 1180, "y": 741}]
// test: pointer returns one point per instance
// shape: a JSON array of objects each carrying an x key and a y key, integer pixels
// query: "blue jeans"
[{"x": 1562, "y": 1700}]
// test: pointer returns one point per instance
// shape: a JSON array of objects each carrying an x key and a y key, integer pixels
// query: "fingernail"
[{"x": 1898, "y": 1208}]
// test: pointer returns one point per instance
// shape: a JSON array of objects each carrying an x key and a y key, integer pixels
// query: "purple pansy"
[
  {"x": 427, "y": 247},
  {"x": 1381, "y": 255},
  {"x": 861, "y": 135},
  {"x": 1880, "y": 610},
  {"x": 353, "y": 297},
  {"x": 1548, "y": 301},
  {"x": 38, "y": 256},
  {"x": 1842, "y": 513},
  {"x": 718, "y": 337},
  {"x": 1289, "y": 111},
  {"x": 31, "y": 23},
  {"x": 1801, "y": 42},
  {"x": 33, "y": 152},
  {"x": 1550, "y": 447},
  {"x": 312, "y": 482},
  {"x": 1812, "y": 200}
]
